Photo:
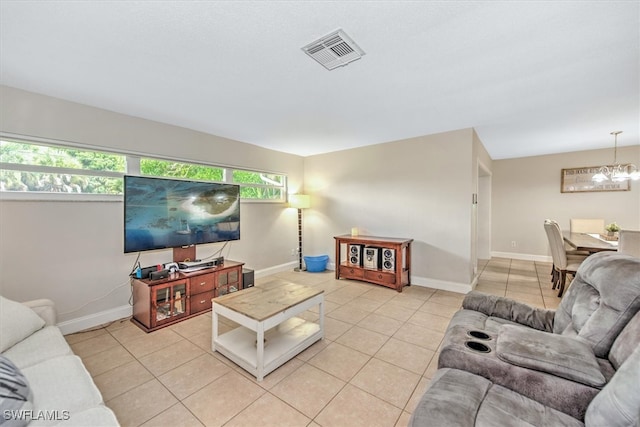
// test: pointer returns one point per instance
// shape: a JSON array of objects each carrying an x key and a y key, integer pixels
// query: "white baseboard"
[
  {"x": 284, "y": 267},
  {"x": 93, "y": 320},
  {"x": 523, "y": 257},
  {"x": 461, "y": 288},
  {"x": 289, "y": 266}
]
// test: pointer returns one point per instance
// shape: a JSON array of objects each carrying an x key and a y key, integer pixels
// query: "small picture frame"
[{"x": 579, "y": 180}]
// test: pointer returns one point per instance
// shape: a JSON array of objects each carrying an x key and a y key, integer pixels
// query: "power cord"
[
  {"x": 219, "y": 251},
  {"x": 99, "y": 298},
  {"x": 136, "y": 264}
]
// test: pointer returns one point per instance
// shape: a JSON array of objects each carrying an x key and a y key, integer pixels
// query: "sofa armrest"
[
  {"x": 558, "y": 355},
  {"x": 509, "y": 309},
  {"x": 44, "y": 308}
]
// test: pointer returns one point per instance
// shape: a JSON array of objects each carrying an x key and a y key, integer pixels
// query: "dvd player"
[{"x": 195, "y": 264}]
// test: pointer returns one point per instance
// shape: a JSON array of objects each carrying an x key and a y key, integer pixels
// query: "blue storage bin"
[{"x": 316, "y": 263}]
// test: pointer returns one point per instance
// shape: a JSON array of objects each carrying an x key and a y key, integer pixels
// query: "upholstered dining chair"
[
  {"x": 563, "y": 264},
  {"x": 629, "y": 242},
  {"x": 573, "y": 254},
  {"x": 592, "y": 226}
]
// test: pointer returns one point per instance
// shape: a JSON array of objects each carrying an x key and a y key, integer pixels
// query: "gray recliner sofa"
[
  {"x": 459, "y": 398},
  {"x": 556, "y": 361}
]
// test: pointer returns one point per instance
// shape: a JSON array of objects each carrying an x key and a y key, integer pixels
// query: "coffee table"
[{"x": 270, "y": 333}]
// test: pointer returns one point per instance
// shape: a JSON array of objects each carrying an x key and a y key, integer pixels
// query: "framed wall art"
[{"x": 579, "y": 180}]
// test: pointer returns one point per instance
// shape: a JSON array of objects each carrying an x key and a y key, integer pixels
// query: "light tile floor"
[{"x": 379, "y": 352}]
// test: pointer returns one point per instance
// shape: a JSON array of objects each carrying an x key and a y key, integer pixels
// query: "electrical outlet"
[
  {"x": 513, "y": 244},
  {"x": 294, "y": 252}
]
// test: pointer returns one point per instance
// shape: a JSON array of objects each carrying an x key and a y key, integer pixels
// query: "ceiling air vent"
[{"x": 334, "y": 50}]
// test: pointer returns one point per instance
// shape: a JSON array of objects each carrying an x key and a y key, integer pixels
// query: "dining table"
[{"x": 589, "y": 242}]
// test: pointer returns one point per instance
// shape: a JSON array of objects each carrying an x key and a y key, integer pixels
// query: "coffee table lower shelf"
[{"x": 281, "y": 344}]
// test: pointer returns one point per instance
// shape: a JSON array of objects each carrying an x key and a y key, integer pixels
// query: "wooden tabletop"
[
  {"x": 265, "y": 301},
  {"x": 584, "y": 242},
  {"x": 372, "y": 239}
]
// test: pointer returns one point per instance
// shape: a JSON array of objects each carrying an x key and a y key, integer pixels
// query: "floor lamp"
[{"x": 299, "y": 201}]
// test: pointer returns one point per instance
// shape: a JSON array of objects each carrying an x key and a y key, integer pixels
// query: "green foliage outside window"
[
  {"x": 58, "y": 183},
  {"x": 167, "y": 168},
  {"x": 248, "y": 177},
  {"x": 61, "y": 157},
  {"x": 50, "y": 157},
  {"x": 261, "y": 193}
]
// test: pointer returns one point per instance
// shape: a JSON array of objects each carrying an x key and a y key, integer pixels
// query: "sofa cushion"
[
  {"x": 452, "y": 399},
  {"x": 17, "y": 322},
  {"x": 558, "y": 355},
  {"x": 15, "y": 394},
  {"x": 459, "y": 398},
  {"x": 602, "y": 298},
  {"x": 44, "y": 344},
  {"x": 618, "y": 404},
  {"x": 503, "y": 407},
  {"x": 61, "y": 384}
]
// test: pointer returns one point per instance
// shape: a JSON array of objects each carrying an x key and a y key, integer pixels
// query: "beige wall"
[
  {"x": 418, "y": 188},
  {"x": 73, "y": 252},
  {"x": 399, "y": 189},
  {"x": 526, "y": 191}
]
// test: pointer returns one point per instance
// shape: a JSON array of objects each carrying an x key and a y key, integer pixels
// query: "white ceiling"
[{"x": 532, "y": 77}]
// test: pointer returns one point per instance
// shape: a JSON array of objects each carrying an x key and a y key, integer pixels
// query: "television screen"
[{"x": 168, "y": 213}]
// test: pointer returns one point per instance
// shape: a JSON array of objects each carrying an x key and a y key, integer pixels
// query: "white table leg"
[
  {"x": 214, "y": 328},
  {"x": 321, "y": 320},
  {"x": 260, "y": 349}
]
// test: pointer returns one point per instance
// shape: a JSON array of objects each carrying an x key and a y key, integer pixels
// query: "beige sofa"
[{"x": 41, "y": 381}]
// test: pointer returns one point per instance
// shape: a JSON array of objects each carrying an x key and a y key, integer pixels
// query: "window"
[
  {"x": 43, "y": 167},
  {"x": 28, "y": 167},
  {"x": 260, "y": 186}
]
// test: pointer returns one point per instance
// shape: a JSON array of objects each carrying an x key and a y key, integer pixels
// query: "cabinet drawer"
[
  {"x": 351, "y": 272},
  {"x": 203, "y": 283},
  {"x": 380, "y": 277},
  {"x": 201, "y": 302}
]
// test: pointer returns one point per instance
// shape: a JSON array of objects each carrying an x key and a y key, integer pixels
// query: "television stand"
[
  {"x": 163, "y": 302},
  {"x": 384, "y": 261}
]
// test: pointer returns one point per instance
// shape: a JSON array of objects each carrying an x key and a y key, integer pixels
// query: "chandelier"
[{"x": 616, "y": 172}]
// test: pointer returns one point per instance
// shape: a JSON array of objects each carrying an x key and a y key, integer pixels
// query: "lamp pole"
[
  {"x": 299, "y": 240},
  {"x": 299, "y": 201}
]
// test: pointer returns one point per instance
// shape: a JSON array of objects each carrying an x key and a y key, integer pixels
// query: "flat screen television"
[{"x": 169, "y": 213}]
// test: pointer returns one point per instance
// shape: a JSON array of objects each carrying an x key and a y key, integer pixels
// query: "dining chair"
[
  {"x": 563, "y": 264},
  {"x": 572, "y": 254},
  {"x": 629, "y": 242},
  {"x": 590, "y": 226}
]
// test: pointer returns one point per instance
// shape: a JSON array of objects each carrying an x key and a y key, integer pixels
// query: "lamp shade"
[{"x": 300, "y": 201}]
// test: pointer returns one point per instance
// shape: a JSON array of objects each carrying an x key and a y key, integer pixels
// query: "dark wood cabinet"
[
  {"x": 385, "y": 261},
  {"x": 159, "y": 303}
]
